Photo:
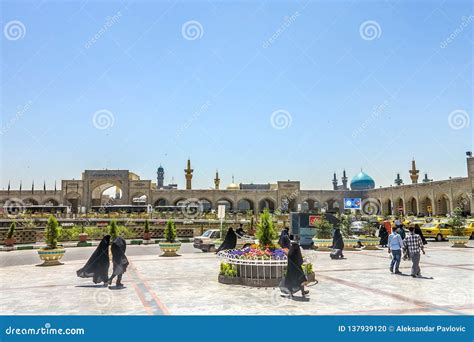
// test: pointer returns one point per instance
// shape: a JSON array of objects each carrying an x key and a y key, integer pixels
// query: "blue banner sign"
[{"x": 353, "y": 203}]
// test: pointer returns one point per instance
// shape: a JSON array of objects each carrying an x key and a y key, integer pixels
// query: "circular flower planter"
[
  {"x": 370, "y": 243},
  {"x": 254, "y": 272},
  {"x": 51, "y": 257},
  {"x": 351, "y": 244},
  {"x": 323, "y": 244},
  {"x": 458, "y": 241},
  {"x": 170, "y": 249}
]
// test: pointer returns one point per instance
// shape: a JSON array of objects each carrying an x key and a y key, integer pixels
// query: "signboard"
[
  {"x": 400, "y": 209},
  {"x": 221, "y": 212},
  {"x": 353, "y": 203},
  {"x": 313, "y": 219}
]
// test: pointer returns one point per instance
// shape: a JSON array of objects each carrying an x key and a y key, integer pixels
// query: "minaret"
[
  {"x": 398, "y": 180},
  {"x": 189, "y": 175},
  {"x": 160, "y": 177},
  {"x": 217, "y": 180},
  {"x": 334, "y": 182},
  {"x": 414, "y": 173},
  {"x": 426, "y": 179},
  {"x": 344, "y": 180}
]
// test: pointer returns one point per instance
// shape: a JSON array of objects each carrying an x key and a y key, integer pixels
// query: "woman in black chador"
[
  {"x": 337, "y": 245},
  {"x": 284, "y": 240},
  {"x": 230, "y": 241},
  {"x": 420, "y": 232},
  {"x": 120, "y": 261},
  {"x": 294, "y": 279},
  {"x": 97, "y": 267},
  {"x": 383, "y": 235}
]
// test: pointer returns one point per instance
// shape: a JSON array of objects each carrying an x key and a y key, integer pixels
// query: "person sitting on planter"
[
  {"x": 120, "y": 261},
  {"x": 240, "y": 231},
  {"x": 383, "y": 235},
  {"x": 284, "y": 240},
  {"x": 230, "y": 241},
  {"x": 97, "y": 267},
  {"x": 295, "y": 278},
  {"x": 337, "y": 245}
]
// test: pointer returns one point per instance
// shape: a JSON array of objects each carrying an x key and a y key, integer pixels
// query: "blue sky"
[{"x": 351, "y": 98}]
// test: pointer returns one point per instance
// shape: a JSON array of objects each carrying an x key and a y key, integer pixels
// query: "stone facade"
[{"x": 436, "y": 198}]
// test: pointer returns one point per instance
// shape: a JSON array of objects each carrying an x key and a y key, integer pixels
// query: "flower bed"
[{"x": 253, "y": 266}]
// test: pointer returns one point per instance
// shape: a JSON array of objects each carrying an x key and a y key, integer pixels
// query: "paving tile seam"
[
  {"x": 158, "y": 307},
  {"x": 417, "y": 302}
]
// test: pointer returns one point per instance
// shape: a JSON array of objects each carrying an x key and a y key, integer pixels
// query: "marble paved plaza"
[{"x": 187, "y": 285}]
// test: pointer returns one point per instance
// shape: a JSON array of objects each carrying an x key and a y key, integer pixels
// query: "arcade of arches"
[{"x": 122, "y": 187}]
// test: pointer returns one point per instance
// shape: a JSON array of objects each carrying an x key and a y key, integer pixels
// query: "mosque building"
[{"x": 427, "y": 197}]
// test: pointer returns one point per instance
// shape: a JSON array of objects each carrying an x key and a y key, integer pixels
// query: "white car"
[
  {"x": 359, "y": 227},
  {"x": 209, "y": 241}
]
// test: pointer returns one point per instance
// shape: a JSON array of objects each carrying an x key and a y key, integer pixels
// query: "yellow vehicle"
[
  {"x": 441, "y": 230},
  {"x": 470, "y": 229}
]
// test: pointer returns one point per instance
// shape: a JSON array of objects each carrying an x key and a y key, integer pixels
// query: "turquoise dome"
[{"x": 362, "y": 181}]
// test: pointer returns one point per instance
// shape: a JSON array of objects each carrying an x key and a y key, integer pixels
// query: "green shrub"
[
  {"x": 228, "y": 270},
  {"x": 307, "y": 268},
  {"x": 323, "y": 229},
  {"x": 94, "y": 233},
  {"x": 346, "y": 221},
  {"x": 125, "y": 232},
  {"x": 265, "y": 229},
  {"x": 170, "y": 231},
  {"x": 113, "y": 230},
  {"x": 11, "y": 230},
  {"x": 52, "y": 232},
  {"x": 457, "y": 222},
  {"x": 147, "y": 227},
  {"x": 69, "y": 234}
]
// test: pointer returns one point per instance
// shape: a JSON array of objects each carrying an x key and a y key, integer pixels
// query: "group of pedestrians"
[
  {"x": 97, "y": 267},
  {"x": 411, "y": 245}
]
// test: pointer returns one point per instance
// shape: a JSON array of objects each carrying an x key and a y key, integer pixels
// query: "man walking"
[
  {"x": 414, "y": 244},
  {"x": 395, "y": 245}
]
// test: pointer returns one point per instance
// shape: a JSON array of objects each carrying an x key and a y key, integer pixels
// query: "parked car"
[
  {"x": 441, "y": 230},
  {"x": 470, "y": 229},
  {"x": 359, "y": 227},
  {"x": 210, "y": 240}
]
